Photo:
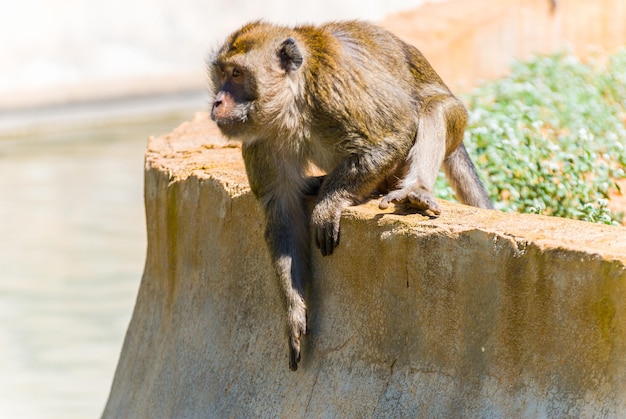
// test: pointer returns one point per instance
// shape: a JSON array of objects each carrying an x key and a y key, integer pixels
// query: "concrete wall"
[{"x": 474, "y": 314}]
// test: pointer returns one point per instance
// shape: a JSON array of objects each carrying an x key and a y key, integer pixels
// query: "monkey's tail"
[{"x": 462, "y": 176}]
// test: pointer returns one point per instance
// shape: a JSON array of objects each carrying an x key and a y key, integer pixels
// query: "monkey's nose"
[
  {"x": 216, "y": 104},
  {"x": 218, "y": 99}
]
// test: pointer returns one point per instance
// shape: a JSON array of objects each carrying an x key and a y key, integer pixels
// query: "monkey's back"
[
  {"x": 376, "y": 45},
  {"x": 353, "y": 92}
]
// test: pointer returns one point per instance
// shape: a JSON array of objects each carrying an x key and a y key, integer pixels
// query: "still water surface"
[{"x": 72, "y": 249}]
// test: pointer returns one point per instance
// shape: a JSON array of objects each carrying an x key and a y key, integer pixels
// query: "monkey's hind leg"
[{"x": 424, "y": 160}]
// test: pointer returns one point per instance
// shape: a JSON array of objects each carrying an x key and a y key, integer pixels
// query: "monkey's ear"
[{"x": 290, "y": 55}]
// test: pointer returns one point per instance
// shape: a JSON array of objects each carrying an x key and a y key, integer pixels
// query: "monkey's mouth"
[
  {"x": 236, "y": 116},
  {"x": 229, "y": 123},
  {"x": 231, "y": 127}
]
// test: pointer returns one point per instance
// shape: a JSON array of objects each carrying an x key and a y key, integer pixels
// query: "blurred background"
[{"x": 83, "y": 84}]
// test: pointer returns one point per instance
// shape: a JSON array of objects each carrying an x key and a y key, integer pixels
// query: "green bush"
[{"x": 550, "y": 137}]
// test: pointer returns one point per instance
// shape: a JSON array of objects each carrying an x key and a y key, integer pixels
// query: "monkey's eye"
[
  {"x": 236, "y": 73},
  {"x": 219, "y": 70}
]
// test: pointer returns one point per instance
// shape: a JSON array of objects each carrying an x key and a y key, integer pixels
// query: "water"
[{"x": 72, "y": 249}]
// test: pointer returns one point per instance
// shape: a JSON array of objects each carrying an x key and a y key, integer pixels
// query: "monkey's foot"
[
  {"x": 417, "y": 197},
  {"x": 297, "y": 329}
]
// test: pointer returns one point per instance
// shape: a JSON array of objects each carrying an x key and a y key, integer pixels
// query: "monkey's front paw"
[
  {"x": 294, "y": 353},
  {"x": 297, "y": 329},
  {"x": 325, "y": 223},
  {"x": 419, "y": 198}
]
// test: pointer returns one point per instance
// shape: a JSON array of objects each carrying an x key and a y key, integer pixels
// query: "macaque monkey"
[{"x": 356, "y": 102}]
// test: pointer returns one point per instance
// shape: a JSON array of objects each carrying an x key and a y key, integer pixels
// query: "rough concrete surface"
[{"x": 474, "y": 314}]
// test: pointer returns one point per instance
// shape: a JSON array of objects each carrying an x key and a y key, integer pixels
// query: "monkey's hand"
[
  {"x": 325, "y": 222},
  {"x": 417, "y": 197},
  {"x": 297, "y": 329}
]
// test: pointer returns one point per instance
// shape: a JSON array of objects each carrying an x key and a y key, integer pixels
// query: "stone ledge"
[
  {"x": 197, "y": 148},
  {"x": 476, "y": 313}
]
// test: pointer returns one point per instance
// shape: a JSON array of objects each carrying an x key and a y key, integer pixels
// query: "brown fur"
[{"x": 355, "y": 101}]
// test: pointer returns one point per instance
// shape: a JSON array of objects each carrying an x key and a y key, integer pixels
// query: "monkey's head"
[{"x": 253, "y": 80}]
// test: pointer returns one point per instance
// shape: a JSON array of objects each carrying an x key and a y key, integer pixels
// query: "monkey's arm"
[
  {"x": 351, "y": 183},
  {"x": 286, "y": 234},
  {"x": 288, "y": 244},
  {"x": 313, "y": 184}
]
